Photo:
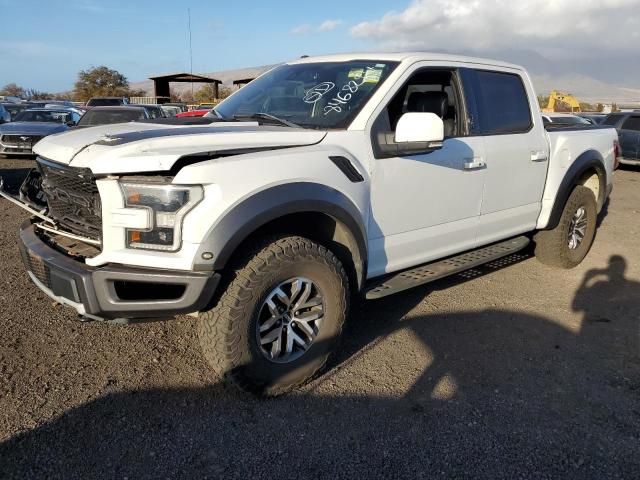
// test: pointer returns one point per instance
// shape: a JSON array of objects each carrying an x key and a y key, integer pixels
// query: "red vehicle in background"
[{"x": 194, "y": 113}]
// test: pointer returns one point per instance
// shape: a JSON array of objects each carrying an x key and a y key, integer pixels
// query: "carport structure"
[
  {"x": 161, "y": 83},
  {"x": 242, "y": 82}
]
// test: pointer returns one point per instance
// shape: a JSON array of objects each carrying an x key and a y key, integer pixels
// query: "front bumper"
[
  {"x": 113, "y": 291},
  {"x": 14, "y": 150}
]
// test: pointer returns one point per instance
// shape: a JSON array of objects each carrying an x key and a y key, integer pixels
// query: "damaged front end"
[
  {"x": 65, "y": 205},
  {"x": 64, "y": 235}
]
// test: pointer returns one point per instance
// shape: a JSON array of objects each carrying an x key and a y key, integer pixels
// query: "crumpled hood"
[
  {"x": 144, "y": 147},
  {"x": 32, "y": 128}
]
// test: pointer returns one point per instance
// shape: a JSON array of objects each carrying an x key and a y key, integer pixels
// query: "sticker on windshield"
[
  {"x": 346, "y": 92},
  {"x": 371, "y": 75}
]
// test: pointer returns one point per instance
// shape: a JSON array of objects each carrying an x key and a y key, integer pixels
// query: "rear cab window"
[
  {"x": 612, "y": 119},
  {"x": 498, "y": 102},
  {"x": 632, "y": 123}
]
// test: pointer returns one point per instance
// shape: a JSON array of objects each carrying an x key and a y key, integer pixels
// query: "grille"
[
  {"x": 27, "y": 140},
  {"x": 39, "y": 269},
  {"x": 72, "y": 197}
]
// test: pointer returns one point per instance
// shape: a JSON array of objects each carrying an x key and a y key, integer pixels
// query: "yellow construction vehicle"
[{"x": 556, "y": 99}]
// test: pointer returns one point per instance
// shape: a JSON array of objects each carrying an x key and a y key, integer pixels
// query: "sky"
[{"x": 43, "y": 44}]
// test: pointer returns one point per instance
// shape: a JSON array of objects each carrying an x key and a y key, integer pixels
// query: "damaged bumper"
[{"x": 113, "y": 291}]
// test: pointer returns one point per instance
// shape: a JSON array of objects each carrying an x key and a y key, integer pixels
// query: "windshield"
[
  {"x": 313, "y": 95},
  {"x": 43, "y": 116},
  {"x": 107, "y": 117}
]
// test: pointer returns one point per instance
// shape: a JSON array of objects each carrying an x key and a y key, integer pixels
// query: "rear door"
[
  {"x": 507, "y": 117},
  {"x": 630, "y": 137}
]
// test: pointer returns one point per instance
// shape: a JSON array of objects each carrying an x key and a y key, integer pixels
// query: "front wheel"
[
  {"x": 568, "y": 243},
  {"x": 280, "y": 317}
]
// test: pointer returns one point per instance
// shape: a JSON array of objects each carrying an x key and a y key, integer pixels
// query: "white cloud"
[
  {"x": 325, "y": 26},
  {"x": 329, "y": 25},
  {"x": 557, "y": 29},
  {"x": 303, "y": 29}
]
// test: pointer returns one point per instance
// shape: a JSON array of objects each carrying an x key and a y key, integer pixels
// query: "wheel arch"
[
  {"x": 316, "y": 211},
  {"x": 588, "y": 170}
]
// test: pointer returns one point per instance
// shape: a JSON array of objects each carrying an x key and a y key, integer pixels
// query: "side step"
[{"x": 443, "y": 268}]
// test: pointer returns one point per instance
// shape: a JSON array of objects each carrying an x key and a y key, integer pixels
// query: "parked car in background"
[
  {"x": 564, "y": 120},
  {"x": 109, "y": 115},
  {"x": 14, "y": 108},
  {"x": 107, "y": 101},
  {"x": 63, "y": 107},
  {"x": 627, "y": 125},
  {"x": 154, "y": 111},
  {"x": 194, "y": 113},
  {"x": 5, "y": 115},
  {"x": 10, "y": 98},
  {"x": 207, "y": 106},
  {"x": 44, "y": 103},
  {"x": 595, "y": 118},
  {"x": 182, "y": 106},
  {"x": 30, "y": 126},
  {"x": 170, "y": 110}
]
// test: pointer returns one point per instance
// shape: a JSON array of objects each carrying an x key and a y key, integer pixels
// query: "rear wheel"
[
  {"x": 280, "y": 317},
  {"x": 568, "y": 243}
]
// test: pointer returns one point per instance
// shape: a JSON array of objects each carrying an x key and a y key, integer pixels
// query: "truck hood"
[
  {"x": 145, "y": 147},
  {"x": 32, "y": 128}
]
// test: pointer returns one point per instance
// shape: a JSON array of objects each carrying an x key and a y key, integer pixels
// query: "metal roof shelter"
[
  {"x": 161, "y": 83},
  {"x": 242, "y": 82}
]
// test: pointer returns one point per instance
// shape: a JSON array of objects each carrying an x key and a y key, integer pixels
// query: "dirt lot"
[{"x": 514, "y": 370}]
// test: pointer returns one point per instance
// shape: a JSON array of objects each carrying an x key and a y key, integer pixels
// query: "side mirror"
[
  {"x": 416, "y": 132},
  {"x": 418, "y": 127},
  {"x": 71, "y": 123}
]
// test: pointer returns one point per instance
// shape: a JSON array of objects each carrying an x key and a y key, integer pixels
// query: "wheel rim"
[
  {"x": 577, "y": 228},
  {"x": 289, "y": 320}
]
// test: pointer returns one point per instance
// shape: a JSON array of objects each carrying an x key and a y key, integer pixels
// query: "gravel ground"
[{"x": 515, "y": 370}]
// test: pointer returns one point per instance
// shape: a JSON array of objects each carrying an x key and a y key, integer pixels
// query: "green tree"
[
  {"x": 100, "y": 82},
  {"x": 13, "y": 90},
  {"x": 205, "y": 94}
]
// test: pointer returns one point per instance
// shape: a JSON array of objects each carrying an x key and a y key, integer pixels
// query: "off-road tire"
[
  {"x": 228, "y": 331},
  {"x": 552, "y": 247}
]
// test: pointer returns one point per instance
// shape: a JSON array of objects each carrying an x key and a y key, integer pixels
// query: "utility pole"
[{"x": 190, "y": 51}]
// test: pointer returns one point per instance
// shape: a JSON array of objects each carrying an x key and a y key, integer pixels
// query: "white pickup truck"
[{"x": 324, "y": 178}]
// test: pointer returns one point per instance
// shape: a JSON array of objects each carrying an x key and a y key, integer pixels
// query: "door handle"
[
  {"x": 538, "y": 156},
  {"x": 474, "y": 163}
]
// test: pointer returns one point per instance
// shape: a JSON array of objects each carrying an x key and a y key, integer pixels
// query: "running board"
[{"x": 443, "y": 268}]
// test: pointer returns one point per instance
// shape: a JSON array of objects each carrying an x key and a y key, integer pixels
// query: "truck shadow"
[{"x": 497, "y": 393}]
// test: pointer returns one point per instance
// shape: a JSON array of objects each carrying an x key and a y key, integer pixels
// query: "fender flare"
[
  {"x": 267, "y": 205},
  {"x": 590, "y": 159}
]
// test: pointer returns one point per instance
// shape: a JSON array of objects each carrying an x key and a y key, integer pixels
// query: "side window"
[
  {"x": 632, "y": 123},
  {"x": 426, "y": 90},
  {"x": 502, "y": 103}
]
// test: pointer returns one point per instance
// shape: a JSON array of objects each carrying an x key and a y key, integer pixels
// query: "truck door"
[
  {"x": 426, "y": 205},
  {"x": 630, "y": 137},
  {"x": 507, "y": 117}
]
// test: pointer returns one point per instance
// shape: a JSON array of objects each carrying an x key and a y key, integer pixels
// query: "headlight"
[{"x": 167, "y": 205}]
